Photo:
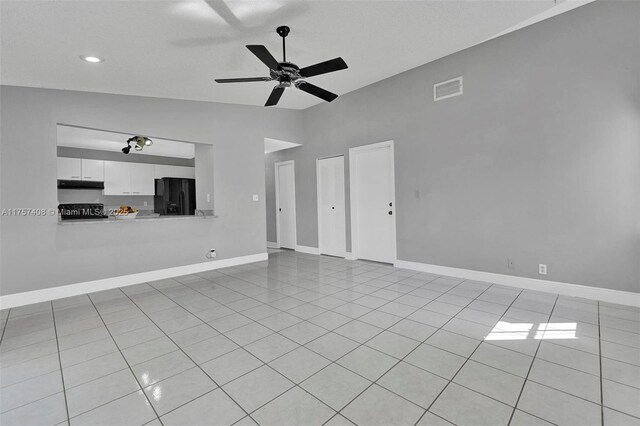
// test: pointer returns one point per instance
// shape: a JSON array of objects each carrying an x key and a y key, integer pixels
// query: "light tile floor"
[{"x": 311, "y": 340}]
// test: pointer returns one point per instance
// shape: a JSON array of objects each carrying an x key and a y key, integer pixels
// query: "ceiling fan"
[{"x": 288, "y": 73}]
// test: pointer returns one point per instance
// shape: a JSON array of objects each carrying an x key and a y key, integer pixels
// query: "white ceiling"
[
  {"x": 78, "y": 137},
  {"x": 273, "y": 145},
  {"x": 174, "y": 49}
]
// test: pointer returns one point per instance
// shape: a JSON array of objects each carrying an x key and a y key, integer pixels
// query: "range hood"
[{"x": 79, "y": 184}]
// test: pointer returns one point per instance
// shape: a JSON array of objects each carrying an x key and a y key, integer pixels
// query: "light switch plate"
[{"x": 255, "y": 197}]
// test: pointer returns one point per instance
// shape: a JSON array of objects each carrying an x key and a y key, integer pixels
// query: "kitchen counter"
[{"x": 112, "y": 219}]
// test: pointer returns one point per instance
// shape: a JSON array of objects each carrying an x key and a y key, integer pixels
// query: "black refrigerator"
[{"x": 175, "y": 196}]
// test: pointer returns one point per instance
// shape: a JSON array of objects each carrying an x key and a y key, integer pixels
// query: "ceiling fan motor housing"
[{"x": 283, "y": 31}]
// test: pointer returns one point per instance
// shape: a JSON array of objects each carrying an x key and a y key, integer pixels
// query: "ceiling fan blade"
[
  {"x": 275, "y": 96},
  {"x": 316, "y": 91},
  {"x": 220, "y": 7},
  {"x": 263, "y": 54},
  {"x": 331, "y": 65},
  {"x": 241, "y": 80}
]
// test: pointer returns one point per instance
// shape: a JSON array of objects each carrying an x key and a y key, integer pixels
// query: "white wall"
[
  {"x": 39, "y": 253},
  {"x": 538, "y": 161}
]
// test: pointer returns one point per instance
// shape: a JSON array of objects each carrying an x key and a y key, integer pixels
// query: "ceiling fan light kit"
[{"x": 288, "y": 74}]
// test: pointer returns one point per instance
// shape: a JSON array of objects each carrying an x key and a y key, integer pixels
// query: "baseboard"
[
  {"x": 44, "y": 295},
  {"x": 271, "y": 244},
  {"x": 576, "y": 290},
  {"x": 309, "y": 250}
]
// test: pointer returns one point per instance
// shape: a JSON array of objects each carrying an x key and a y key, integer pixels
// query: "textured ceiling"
[{"x": 174, "y": 49}]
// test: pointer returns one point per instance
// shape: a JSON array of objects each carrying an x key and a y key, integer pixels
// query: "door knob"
[
  {"x": 390, "y": 204},
  {"x": 332, "y": 208},
  {"x": 390, "y": 212},
  {"x": 279, "y": 210}
]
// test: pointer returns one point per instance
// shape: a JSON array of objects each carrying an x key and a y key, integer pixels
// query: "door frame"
[
  {"x": 277, "y": 186},
  {"x": 353, "y": 164},
  {"x": 318, "y": 188}
]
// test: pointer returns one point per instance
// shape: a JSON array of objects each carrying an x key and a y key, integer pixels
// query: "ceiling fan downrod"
[{"x": 283, "y": 31}]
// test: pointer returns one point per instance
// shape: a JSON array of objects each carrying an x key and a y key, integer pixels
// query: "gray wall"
[
  {"x": 205, "y": 173},
  {"x": 538, "y": 161},
  {"x": 38, "y": 253}
]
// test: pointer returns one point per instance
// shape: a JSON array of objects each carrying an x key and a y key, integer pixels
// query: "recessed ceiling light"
[{"x": 92, "y": 59}]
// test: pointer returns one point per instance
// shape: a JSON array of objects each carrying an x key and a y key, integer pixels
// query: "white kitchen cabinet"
[
  {"x": 162, "y": 171},
  {"x": 93, "y": 170},
  {"x": 128, "y": 178},
  {"x": 69, "y": 168},
  {"x": 185, "y": 172},
  {"x": 117, "y": 178},
  {"x": 142, "y": 179}
]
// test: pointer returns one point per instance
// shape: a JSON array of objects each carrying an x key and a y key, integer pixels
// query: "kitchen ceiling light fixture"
[
  {"x": 92, "y": 59},
  {"x": 140, "y": 143}
]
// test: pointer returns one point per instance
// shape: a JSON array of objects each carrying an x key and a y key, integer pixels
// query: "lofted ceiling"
[{"x": 174, "y": 49}]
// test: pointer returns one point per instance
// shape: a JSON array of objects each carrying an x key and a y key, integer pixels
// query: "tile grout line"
[
  {"x": 306, "y": 320},
  {"x": 406, "y": 355},
  {"x": 64, "y": 388},
  {"x": 5, "y": 325},
  {"x": 128, "y": 365},
  {"x": 323, "y": 295},
  {"x": 468, "y": 358},
  {"x": 531, "y": 366},
  {"x": 264, "y": 364},
  {"x": 191, "y": 359},
  {"x": 383, "y": 330},
  {"x": 600, "y": 366}
]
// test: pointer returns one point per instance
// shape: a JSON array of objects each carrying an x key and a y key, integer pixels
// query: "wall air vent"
[{"x": 447, "y": 89}]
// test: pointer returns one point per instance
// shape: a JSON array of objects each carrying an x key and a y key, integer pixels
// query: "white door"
[
  {"x": 117, "y": 178},
  {"x": 331, "y": 211},
  {"x": 286, "y": 204},
  {"x": 93, "y": 170},
  {"x": 142, "y": 179},
  {"x": 69, "y": 168},
  {"x": 373, "y": 227}
]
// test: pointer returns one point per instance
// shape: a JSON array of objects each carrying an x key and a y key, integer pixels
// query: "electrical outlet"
[
  {"x": 208, "y": 198},
  {"x": 145, "y": 204},
  {"x": 510, "y": 264},
  {"x": 255, "y": 197},
  {"x": 542, "y": 269}
]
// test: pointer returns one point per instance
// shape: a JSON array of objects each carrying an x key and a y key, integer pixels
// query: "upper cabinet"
[
  {"x": 69, "y": 168},
  {"x": 117, "y": 178},
  {"x": 93, "y": 170},
  {"x": 128, "y": 178},
  {"x": 162, "y": 171},
  {"x": 185, "y": 172},
  {"x": 80, "y": 169},
  {"x": 142, "y": 179},
  {"x": 120, "y": 178}
]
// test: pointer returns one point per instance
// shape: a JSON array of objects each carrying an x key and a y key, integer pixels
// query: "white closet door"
[{"x": 331, "y": 210}]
